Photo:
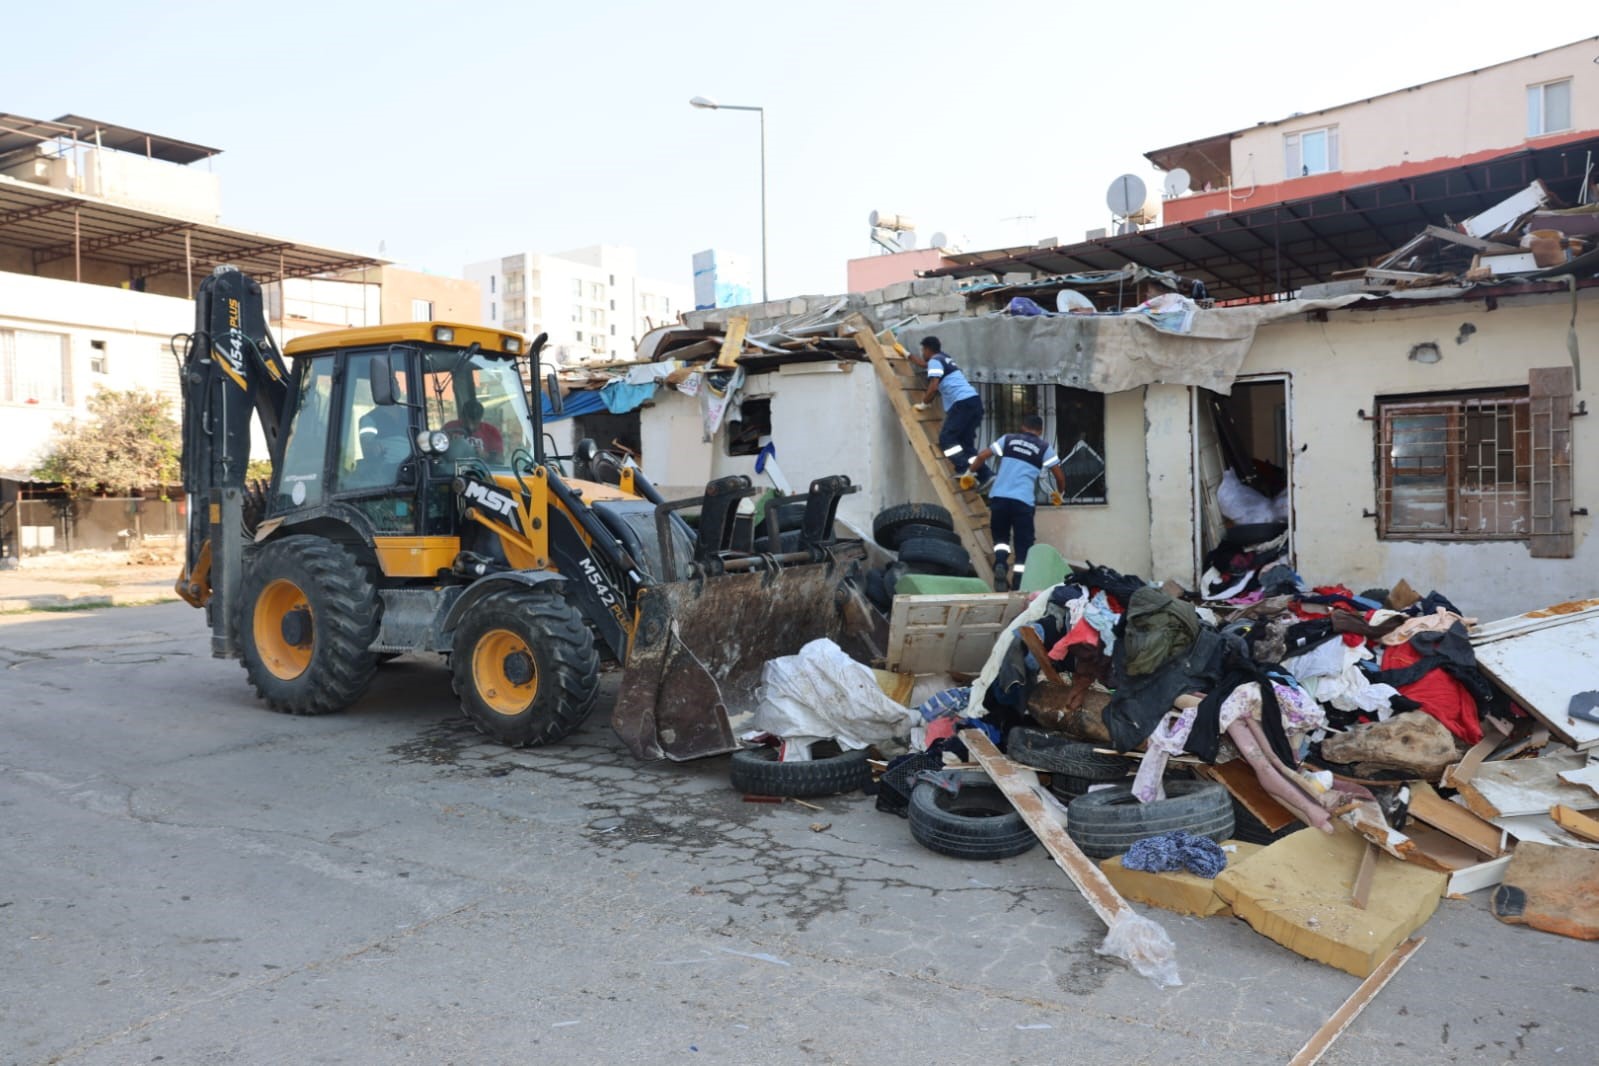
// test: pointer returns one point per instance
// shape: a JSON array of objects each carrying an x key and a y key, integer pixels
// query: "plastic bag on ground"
[
  {"x": 822, "y": 692},
  {"x": 1144, "y": 946}
]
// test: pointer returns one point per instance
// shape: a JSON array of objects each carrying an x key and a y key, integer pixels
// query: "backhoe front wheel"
[
  {"x": 525, "y": 667},
  {"x": 307, "y": 617}
]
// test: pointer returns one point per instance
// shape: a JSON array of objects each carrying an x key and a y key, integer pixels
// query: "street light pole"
[{"x": 707, "y": 104}]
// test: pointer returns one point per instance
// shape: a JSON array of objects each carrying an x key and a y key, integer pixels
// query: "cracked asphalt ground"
[{"x": 190, "y": 878}]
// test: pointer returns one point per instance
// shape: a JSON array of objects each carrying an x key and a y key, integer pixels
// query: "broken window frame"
[
  {"x": 1469, "y": 479},
  {"x": 743, "y": 434}
]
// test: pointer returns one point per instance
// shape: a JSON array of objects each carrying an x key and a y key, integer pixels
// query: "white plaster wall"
[
  {"x": 1341, "y": 366},
  {"x": 153, "y": 184},
  {"x": 1168, "y": 422},
  {"x": 1114, "y": 533},
  {"x": 1454, "y": 117},
  {"x": 136, "y": 327}
]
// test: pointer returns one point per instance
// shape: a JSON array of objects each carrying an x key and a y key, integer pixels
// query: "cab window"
[
  {"x": 373, "y": 440},
  {"x": 306, "y": 447}
]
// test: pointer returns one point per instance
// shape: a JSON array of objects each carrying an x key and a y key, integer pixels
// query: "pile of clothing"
[{"x": 1265, "y": 678}]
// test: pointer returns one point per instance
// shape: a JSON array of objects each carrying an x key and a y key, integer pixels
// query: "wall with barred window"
[{"x": 1454, "y": 478}]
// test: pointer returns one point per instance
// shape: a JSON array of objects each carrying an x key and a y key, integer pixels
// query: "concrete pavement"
[
  {"x": 81, "y": 580},
  {"x": 190, "y": 878}
]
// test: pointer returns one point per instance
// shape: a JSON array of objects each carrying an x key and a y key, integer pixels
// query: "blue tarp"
[{"x": 583, "y": 402}]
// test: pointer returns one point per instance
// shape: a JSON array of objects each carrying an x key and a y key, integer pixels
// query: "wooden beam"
[
  {"x": 1026, "y": 795},
  {"x": 1575, "y": 822},
  {"x": 733, "y": 342},
  {"x": 966, "y": 507},
  {"x": 1341, "y": 1019},
  {"x": 1429, "y": 807}
]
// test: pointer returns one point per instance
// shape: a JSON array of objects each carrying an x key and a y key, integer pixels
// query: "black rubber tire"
[
  {"x": 887, "y": 526},
  {"x": 344, "y": 623},
  {"x": 978, "y": 822},
  {"x": 757, "y": 772},
  {"x": 1106, "y": 822},
  {"x": 1062, "y": 755},
  {"x": 926, "y": 556},
  {"x": 790, "y": 512},
  {"x": 1068, "y": 787},
  {"x": 566, "y": 666},
  {"x": 919, "y": 531},
  {"x": 1252, "y": 830},
  {"x": 788, "y": 541}
]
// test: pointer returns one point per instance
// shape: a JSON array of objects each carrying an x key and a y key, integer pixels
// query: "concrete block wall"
[{"x": 929, "y": 299}]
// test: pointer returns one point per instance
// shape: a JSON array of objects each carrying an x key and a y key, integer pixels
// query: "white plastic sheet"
[{"x": 822, "y": 693}]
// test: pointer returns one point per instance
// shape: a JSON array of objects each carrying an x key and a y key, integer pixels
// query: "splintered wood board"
[
  {"x": 1510, "y": 788},
  {"x": 1542, "y": 658},
  {"x": 1237, "y": 778},
  {"x": 1318, "y": 1044},
  {"x": 948, "y": 634},
  {"x": 1429, "y": 807}
]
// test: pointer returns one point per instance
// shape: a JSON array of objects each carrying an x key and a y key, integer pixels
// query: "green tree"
[{"x": 130, "y": 442}]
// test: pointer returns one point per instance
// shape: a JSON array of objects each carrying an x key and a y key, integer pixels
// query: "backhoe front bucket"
[{"x": 700, "y": 646}]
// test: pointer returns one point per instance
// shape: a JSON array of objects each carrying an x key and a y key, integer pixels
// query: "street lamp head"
[{"x": 704, "y": 103}]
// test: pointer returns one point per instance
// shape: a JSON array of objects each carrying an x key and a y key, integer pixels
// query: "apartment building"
[
  {"x": 1538, "y": 101},
  {"x": 592, "y": 301}
]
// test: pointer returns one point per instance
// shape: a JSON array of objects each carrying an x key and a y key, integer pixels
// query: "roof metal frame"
[
  {"x": 1277, "y": 248},
  {"x": 53, "y": 224}
]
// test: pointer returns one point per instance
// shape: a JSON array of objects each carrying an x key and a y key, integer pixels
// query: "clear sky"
[{"x": 463, "y": 131}]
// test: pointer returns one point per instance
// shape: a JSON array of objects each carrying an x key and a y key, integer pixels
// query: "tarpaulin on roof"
[
  {"x": 1109, "y": 352},
  {"x": 582, "y": 402}
]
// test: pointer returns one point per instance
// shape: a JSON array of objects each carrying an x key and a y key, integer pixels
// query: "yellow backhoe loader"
[{"x": 416, "y": 505}]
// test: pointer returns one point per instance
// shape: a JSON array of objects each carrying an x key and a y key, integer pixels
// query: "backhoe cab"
[{"x": 415, "y": 507}]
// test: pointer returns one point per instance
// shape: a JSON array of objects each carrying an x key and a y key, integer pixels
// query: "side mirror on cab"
[{"x": 385, "y": 387}]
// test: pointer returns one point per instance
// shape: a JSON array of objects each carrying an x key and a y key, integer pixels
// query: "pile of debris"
[
  {"x": 1523, "y": 237},
  {"x": 1323, "y": 764}
]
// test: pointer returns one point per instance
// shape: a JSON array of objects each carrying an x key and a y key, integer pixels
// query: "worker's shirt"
[
  {"x": 1022, "y": 457},
  {"x": 952, "y": 384}
]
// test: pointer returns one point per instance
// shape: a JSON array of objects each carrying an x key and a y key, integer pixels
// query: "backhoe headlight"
[
  {"x": 444, "y": 334},
  {"x": 436, "y": 441}
]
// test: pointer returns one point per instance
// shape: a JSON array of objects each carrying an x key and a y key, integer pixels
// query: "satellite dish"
[
  {"x": 1124, "y": 228},
  {"x": 1128, "y": 197},
  {"x": 871, "y": 220},
  {"x": 1177, "y": 182},
  {"x": 907, "y": 240},
  {"x": 940, "y": 240}
]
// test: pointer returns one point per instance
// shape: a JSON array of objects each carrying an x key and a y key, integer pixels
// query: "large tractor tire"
[
  {"x": 307, "y": 618},
  {"x": 525, "y": 667}
]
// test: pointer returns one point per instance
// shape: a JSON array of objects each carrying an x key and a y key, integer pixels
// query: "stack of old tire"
[
  {"x": 923, "y": 539},
  {"x": 1104, "y": 819}
]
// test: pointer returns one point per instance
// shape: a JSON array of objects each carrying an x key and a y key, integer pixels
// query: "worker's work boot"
[{"x": 1001, "y": 571}]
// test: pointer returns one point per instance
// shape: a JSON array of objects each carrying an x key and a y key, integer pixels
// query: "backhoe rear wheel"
[
  {"x": 307, "y": 617},
  {"x": 525, "y": 667}
]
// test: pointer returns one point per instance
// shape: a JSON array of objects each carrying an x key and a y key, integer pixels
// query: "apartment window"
[
  {"x": 644, "y": 302},
  {"x": 1074, "y": 419},
  {"x": 577, "y": 287},
  {"x": 491, "y": 283},
  {"x": 494, "y": 311},
  {"x": 597, "y": 343},
  {"x": 613, "y": 305},
  {"x": 1548, "y": 107},
  {"x": 579, "y": 334},
  {"x": 421, "y": 310},
  {"x": 613, "y": 329},
  {"x": 1311, "y": 151},
  {"x": 597, "y": 292},
  {"x": 596, "y": 317},
  {"x": 34, "y": 368},
  {"x": 1456, "y": 466},
  {"x": 97, "y": 357},
  {"x": 613, "y": 279}
]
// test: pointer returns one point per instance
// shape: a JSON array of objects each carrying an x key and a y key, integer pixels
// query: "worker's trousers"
[
  {"x": 1012, "y": 524},
  {"x": 958, "y": 435}
]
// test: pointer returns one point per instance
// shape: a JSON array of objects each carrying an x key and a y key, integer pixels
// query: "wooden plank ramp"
[{"x": 903, "y": 384}]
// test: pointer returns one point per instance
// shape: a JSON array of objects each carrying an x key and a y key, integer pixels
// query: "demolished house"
[{"x": 1284, "y": 702}]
